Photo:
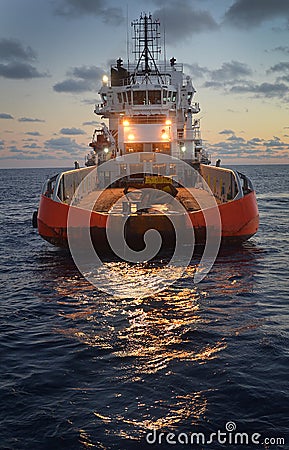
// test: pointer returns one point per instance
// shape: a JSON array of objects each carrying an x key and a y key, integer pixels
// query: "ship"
[{"x": 148, "y": 140}]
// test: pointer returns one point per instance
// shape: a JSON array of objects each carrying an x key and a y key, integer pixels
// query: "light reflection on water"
[{"x": 150, "y": 342}]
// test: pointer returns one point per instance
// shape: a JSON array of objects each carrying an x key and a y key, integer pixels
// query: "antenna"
[
  {"x": 165, "y": 52},
  {"x": 146, "y": 44},
  {"x": 127, "y": 39}
]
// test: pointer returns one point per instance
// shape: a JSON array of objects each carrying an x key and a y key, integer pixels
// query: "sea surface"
[{"x": 82, "y": 370}]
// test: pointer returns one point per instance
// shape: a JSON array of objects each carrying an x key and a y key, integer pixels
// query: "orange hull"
[{"x": 239, "y": 219}]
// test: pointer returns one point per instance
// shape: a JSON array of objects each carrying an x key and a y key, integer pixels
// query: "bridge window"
[
  {"x": 127, "y": 97},
  {"x": 133, "y": 147},
  {"x": 162, "y": 147},
  {"x": 139, "y": 97},
  {"x": 171, "y": 96},
  {"x": 155, "y": 97}
]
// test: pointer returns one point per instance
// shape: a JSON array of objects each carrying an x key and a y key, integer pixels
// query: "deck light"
[
  {"x": 105, "y": 150},
  {"x": 105, "y": 79},
  {"x": 183, "y": 148},
  {"x": 130, "y": 137},
  {"x": 125, "y": 123},
  {"x": 164, "y": 135},
  {"x": 168, "y": 122}
]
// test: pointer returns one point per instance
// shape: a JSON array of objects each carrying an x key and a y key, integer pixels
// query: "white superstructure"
[{"x": 149, "y": 105}]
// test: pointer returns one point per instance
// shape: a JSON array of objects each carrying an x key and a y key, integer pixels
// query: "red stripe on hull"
[{"x": 239, "y": 218}]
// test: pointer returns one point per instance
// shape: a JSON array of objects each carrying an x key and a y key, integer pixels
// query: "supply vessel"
[{"x": 148, "y": 138}]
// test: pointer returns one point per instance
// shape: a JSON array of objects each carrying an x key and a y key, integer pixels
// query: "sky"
[{"x": 53, "y": 54}]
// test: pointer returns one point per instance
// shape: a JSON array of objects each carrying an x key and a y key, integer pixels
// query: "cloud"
[
  {"x": 196, "y": 70},
  {"x": 64, "y": 144},
  {"x": 238, "y": 147},
  {"x": 237, "y": 139},
  {"x": 281, "y": 48},
  {"x": 226, "y": 132},
  {"x": 86, "y": 79},
  {"x": 232, "y": 70},
  {"x": 182, "y": 21},
  {"x": 6, "y": 116},
  {"x": 20, "y": 70},
  {"x": 87, "y": 72},
  {"x": 33, "y": 133},
  {"x": 12, "y": 49},
  {"x": 268, "y": 90},
  {"x": 30, "y": 119},
  {"x": 251, "y": 13},
  {"x": 255, "y": 141},
  {"x": 284, "y": 78},
  {"x": 25, "y": 154},
  {"x": 72, "y": 131},
  {"x": 213, "y": 84},
  {"x": 76, "y": 8},
  {"x": 92, "y": 122},
  {"x": 14, "y": 149},
  {"x": 15, "y": 61},
  {"x": 280, "y": 67},
  {"x": 73, "y": 86},
  {"x": 31, "y": 146}
]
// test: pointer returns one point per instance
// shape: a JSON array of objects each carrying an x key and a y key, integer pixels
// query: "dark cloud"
[
  {"x": 29, "y": 119},
  {"x": 281, "y": 48},
  {"x": 226, "y": 132},
  {"x": 284, "y": 78},
  {"x": 229, "y": 74},
  {"x": 72, "y": 131},
  {"x": 87, "y": 72},
  {"x": 12, "y": 49},
  {"x": 91, "y": 123},
  {"x": 20, "y": 70},
  {"x": 238, "y": 147},
  {"x": 282, "y": 66},
  {"x": 86, "y": 79},
  {"x": 268, "y": 90},
  {"x": 232, "y": 70},
  {"x": 196, "y": 70},
  {"x": 14, "y": 149},
  {"x": 15, "y": 61},
  {"x": 6, "y": 116},
  {"x": 73, "y": 86},
  {"x": 64, "y": 144},
  {"x": 181, "y": 20},
  {"x": 255, "y": 141},
  {"x": 33, "y": 133},
  {"x": 31, "y": 146},
  {"x": 251, "y": 13},
  {"x": 25, "y": 155},
  {"x": 213, "y": 84},
  {"x": 236, "y": 139},
  {"x": 76, "y": 8}
]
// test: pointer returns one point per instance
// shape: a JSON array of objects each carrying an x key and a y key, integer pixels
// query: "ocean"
[{"x": 196, "y": 366}]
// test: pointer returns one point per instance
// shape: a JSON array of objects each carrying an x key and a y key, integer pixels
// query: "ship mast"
[{"x": 146, "y": 46}]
